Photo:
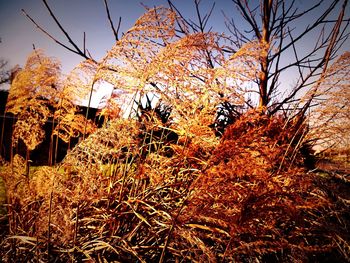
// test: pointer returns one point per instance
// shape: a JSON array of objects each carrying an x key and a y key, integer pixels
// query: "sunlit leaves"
[
  {"x": 331, "y": 120},
  {"x": 76, "y": 87},
  {"x": 188, "y": 71},
  {"x": 29, "y": 126},
  {"x": 72, "y": 125},
  {"x": 156, "y": 23},
  {"x": 147, "y": 187},
  {"x": 78, "y": 84},
  {"x": 38, "y": 93},
  {"x": 33, "y": 91},
  {"x": 39, "y": 78},
  {"x": 244, "y": 65},
  {"x": 125, "y": 64}
]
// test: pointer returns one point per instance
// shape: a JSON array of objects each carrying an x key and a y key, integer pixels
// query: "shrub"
[{"x": 245, "y": 198}]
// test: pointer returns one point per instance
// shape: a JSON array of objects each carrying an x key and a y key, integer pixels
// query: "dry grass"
[
  {"x": 245, "y": 199},
  {"x": 148, "y": 189}
]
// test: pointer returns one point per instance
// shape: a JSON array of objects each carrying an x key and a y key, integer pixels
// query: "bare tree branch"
[
  {"x": 276, "y": 28},
  {"x": 328, "y": 54},
  {"x": 48, "y": 34},
  {"x": 64, "y": 31},
  {"x": 248, "y": 15},
  {"x": 75, "y": 49},
  {"x": 115, "y": 31}
]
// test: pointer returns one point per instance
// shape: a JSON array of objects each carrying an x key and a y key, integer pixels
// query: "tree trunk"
[{"x": 265, "y": 38}]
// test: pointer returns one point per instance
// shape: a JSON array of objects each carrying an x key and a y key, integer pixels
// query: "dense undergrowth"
[
  {"x": 138, "y": 191},
  {"x": 165, "y": 183}
]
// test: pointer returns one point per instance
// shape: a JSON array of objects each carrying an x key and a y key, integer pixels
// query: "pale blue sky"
[{"x": 18, "y": 33}]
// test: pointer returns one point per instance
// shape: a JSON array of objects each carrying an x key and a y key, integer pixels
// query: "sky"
[{"x": 18, "y": 34}]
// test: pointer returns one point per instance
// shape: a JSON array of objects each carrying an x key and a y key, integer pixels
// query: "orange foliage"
[
  {"x": 76, "y": 87},
  {"x": 146, "y": 189},
  {"x": 331, "y": 119},
  {"x": 33, "y": 90},
  {"x": 246, "y": 206}
]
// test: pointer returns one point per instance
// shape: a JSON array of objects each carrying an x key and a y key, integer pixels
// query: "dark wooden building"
[{"x": 41, "y": 155}]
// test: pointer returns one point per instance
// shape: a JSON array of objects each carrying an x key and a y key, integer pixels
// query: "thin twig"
[
  {"x": 78, "y": 50},
  {"x": 75, "y": 49},
  {"x": 49, "y": 229},
  {"x": 46, "y": 33},
  {"x": 115, "y": 31}
]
